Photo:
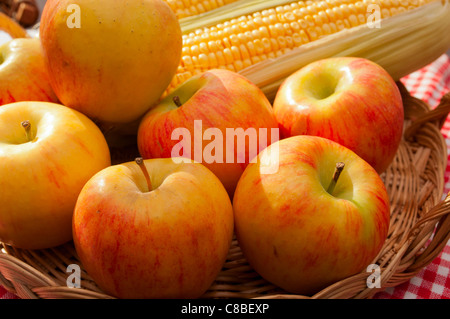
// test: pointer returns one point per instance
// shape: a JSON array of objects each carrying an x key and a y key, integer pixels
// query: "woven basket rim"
[{"x": 419, "y": 230}]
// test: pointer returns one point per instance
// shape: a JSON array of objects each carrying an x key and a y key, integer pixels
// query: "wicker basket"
[{"x": 419, "y": 230}]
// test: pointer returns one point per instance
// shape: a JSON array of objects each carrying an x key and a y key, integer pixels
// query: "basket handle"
[
  {"x": 439, "y": 114},
  {"x": 439, "y": 215}
]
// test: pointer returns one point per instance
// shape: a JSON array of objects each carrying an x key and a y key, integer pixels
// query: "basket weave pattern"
[{"x": 419, "y": 230}]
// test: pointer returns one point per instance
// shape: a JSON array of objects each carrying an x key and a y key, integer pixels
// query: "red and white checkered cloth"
[{"x": 433, "y": 282}]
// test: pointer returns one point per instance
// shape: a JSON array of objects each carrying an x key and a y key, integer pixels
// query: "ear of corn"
[
  {"x": 230, "y": 11},
  {"x": 403, "y": 44},
  {"x": 268, "y": 40},
  {"x": 189, "y": 8}
]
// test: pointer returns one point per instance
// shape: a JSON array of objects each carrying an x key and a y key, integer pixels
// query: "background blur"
[{"x": 40, "y": 4}]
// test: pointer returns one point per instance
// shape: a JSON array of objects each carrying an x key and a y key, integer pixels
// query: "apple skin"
[
  {"x": 221, "y": 99},
  {"x": 293, "y": 232},
  {"x": 22, "y": 72},
  {"x": 118, "y": 63},
  {"x": 41, "y": 179},
  {"x": 349, "y": 100},
  {"x": 170, "y": 242}
]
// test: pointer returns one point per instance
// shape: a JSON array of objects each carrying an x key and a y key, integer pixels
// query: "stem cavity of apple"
[
  {"x": 140, "y": 162},
  {"x": 27, "y": 126},
  {"x": 176, "y": 100},
  {"x": 337, "y": 173}
]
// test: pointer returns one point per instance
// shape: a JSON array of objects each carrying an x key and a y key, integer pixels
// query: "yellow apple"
[
  {"x": 110, "y": 59},
  {"x": 12, "y": 27},
  {"x": 157, "y": 229},
  {"x": 47, "y": 153},
  {"x": 23, "y": 76}
]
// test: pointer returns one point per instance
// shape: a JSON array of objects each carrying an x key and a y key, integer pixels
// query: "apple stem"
[
  {"x": 337, "y": 173},
  {"x": 27, "y": 126},
  {"x": 140, "y": 162},
  {"x": 176, "y": 100}
]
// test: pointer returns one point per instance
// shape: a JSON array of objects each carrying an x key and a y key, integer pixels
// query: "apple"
[
  {"x": 47, "y": 153},
  {"x": 218, "y": 118},
  {"x": 314, "y": 221},
  {"x": 11, "y": 27},
  {"x": 350, "y": 100},
  {"x": 110, "y": 59},
  {"x": 23, "y": 76},
  {"x": 153, "y": 229}
]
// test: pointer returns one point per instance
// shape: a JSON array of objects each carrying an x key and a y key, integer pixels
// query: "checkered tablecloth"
[{"x": 433, "y": 282}]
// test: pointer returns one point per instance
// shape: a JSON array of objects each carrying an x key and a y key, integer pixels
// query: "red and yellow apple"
[
  {"x": 156, "y": 229},
  {"x": 110, "y": 59},
  {"x": 23, "y": 76},
  {"x": 349, "y": 100},
  {"x": 218, "y": 118},
  {"x": 47, "y": 153},
  {"x": 305, "y": 227}
]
